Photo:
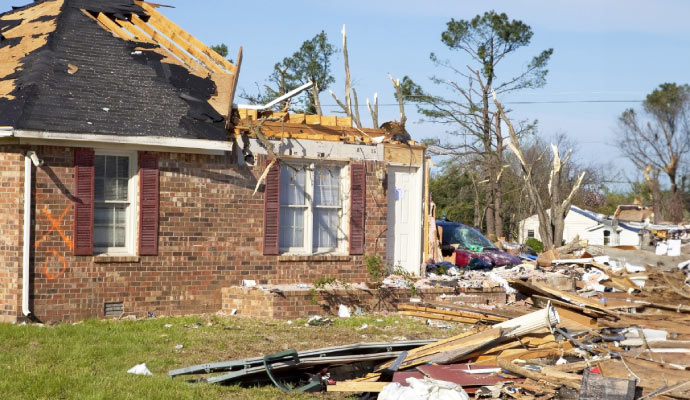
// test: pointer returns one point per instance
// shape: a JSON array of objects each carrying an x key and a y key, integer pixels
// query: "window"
[
  {"x": 530, "y": 233},
  {"x": 312, "y": 218},
  {"x": 114, "y": 204},
  {"x": 607, "y": 237}
]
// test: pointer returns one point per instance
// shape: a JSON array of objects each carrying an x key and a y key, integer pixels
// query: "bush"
[
  {"x": 375, "y": 267},
  {"x": 535, "y": 244}
]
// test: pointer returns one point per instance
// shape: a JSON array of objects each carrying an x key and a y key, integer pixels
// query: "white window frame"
[
  {"x": 132, "y": 213},
  {"x": 343, "y": 216}
]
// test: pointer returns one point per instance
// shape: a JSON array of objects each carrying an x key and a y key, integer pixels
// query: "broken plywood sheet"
[
  {"x": 37, "y": 22},
  {"x": 403, "y": 154}
]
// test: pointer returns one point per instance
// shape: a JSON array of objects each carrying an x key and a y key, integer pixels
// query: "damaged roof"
[{"x": 115, "y": 67}]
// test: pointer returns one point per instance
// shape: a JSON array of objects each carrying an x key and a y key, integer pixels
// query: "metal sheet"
[{"x": 457, "y": 373}]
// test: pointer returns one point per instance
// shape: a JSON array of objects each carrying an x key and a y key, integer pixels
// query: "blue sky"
[{"x": 603, "y": 50}]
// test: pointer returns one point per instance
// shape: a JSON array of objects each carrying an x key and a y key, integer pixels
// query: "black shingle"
[{"x": 115, "y": 90}]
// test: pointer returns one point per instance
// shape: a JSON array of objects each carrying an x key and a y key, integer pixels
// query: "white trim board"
[
  {"x": 319, "y": 149},
  {"x": 158, "y": 143}
]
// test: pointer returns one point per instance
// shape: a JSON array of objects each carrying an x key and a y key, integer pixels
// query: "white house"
[{"x": 588, "y": 225}]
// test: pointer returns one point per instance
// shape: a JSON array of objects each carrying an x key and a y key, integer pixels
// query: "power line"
[{"x": 515, "y": 102}]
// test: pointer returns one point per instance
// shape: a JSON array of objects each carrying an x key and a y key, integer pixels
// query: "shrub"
[{"x": 535, "y": 244}]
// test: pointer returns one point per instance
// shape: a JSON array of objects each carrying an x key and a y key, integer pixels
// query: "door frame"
[{"x": 416, "y": 214}]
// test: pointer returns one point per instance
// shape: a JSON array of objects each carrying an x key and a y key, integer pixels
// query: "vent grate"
[{"x": 114, "y": 309}]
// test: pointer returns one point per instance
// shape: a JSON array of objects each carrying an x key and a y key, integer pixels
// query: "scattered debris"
[
  {"x": 423, "y": 389},
  {"x": 594, "y": 322},
  {"x": 318, "y": 320},
  {"x": 343, "y": 311},
  {"x": 139, "y": 369}
]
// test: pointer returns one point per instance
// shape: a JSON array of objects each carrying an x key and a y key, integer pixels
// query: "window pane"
[
  {"x": 111, "y": 178},
  {"x": 291, "y": 227},
  {"x": 100, "y": 236},
  {"x": 120, "y": 216},
  {"x": 122, "y": 167},
  {"x": 325, "y": 228},
  {"x": 110, "y": 166},
  {"x": 99, "y": 166},
  {"x": 99, "y": 188},
  {"x": 119, "y": 237},
  {"x": 110, "y": 225},
  {"x": 292, "y": 186},
  {"x": 122, "y": 189},
  {"x": 100, "y": 215},
  {"x": 327, "y": 186}
]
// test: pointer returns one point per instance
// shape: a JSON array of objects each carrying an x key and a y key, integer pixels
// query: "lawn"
[{"x": 89, "y": 360}]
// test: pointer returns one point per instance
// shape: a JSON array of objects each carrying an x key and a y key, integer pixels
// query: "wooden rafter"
[
  {"x": 113, "y": 27},
  {"x": 163, "y": 41},
  {"x": 131, "y": 28},
  {"x": 162, "y": 23},
  {"x": 165, "y": 28},
  {"x": 233, "y": 86}
]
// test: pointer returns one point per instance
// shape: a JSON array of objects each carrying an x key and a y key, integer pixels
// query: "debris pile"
[{"x": 595, "y": 322}]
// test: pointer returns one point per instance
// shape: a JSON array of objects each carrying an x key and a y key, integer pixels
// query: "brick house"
[{"x": 127, "y": 189}]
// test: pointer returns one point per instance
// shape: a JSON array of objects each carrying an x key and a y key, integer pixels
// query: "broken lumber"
[
  {"x": 356, "y": 387},
  {"x": 465, "y": 315},
  {"x": 553, "y": 377}
]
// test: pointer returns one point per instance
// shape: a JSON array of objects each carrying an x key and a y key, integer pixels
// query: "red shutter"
[
  {"x": 148, "y": 204},
  {"x": 83, "y": 205},
  {"x": 272, "y": 211},
  {"x": 358, "y": 195}
]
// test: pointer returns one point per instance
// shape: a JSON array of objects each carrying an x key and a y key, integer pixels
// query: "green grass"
[{"x": 89, "y": 360}]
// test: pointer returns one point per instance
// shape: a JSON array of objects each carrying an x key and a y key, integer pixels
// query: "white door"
[{"x": 404, "y": 218}]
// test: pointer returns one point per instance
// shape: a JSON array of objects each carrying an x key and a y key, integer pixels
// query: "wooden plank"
[
  {"x": 164, "y": 42},
  {"x": 575, "y": 321},
  {"x": 113, "y": 27},
  {"x": 394, "y": 153},
  {"x": 297, "y": 118},
  {"x": 465, "y": 314},
  {"x": 313, "y": 119},
  {"x": 329, "y": 120},
  {"x": 164, "y": 27},
  {"x": 344, "y": 121},
  {"x": 136, "y": 32},
  {"x": 233, "y": 87},
  {"x": 158, "y": 18},
  {"x": 356, "y": 387},
  {"x": 437, "y": 316}
]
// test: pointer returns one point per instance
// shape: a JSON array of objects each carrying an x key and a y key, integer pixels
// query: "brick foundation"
[
  {"x": 210, "y": 237},
  {"x": 302, "y": 302}
]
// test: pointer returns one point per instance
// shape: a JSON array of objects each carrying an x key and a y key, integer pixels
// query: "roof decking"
[{"x": 109, "y": 67}]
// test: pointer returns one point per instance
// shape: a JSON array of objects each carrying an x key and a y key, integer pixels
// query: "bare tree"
[
  {"x": 551, "y": 219},
  {"x": 487, "y": 40},
  {"x": 661, "y": 140}
]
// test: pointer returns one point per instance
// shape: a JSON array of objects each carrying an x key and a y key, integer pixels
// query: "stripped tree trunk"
[{"x": 552, "y": 219}]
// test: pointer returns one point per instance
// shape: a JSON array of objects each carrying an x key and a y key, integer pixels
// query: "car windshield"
[{"x": 466, "y": 237}]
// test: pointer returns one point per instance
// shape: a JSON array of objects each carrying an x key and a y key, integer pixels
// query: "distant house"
[
  {"x": 634, "y": 213},
  {"x": 587, "y": 225}
]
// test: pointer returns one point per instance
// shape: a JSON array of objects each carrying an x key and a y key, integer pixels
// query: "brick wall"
[
  {"x": 11, "y": 220},
  {"x": 210, "y": 238}
]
